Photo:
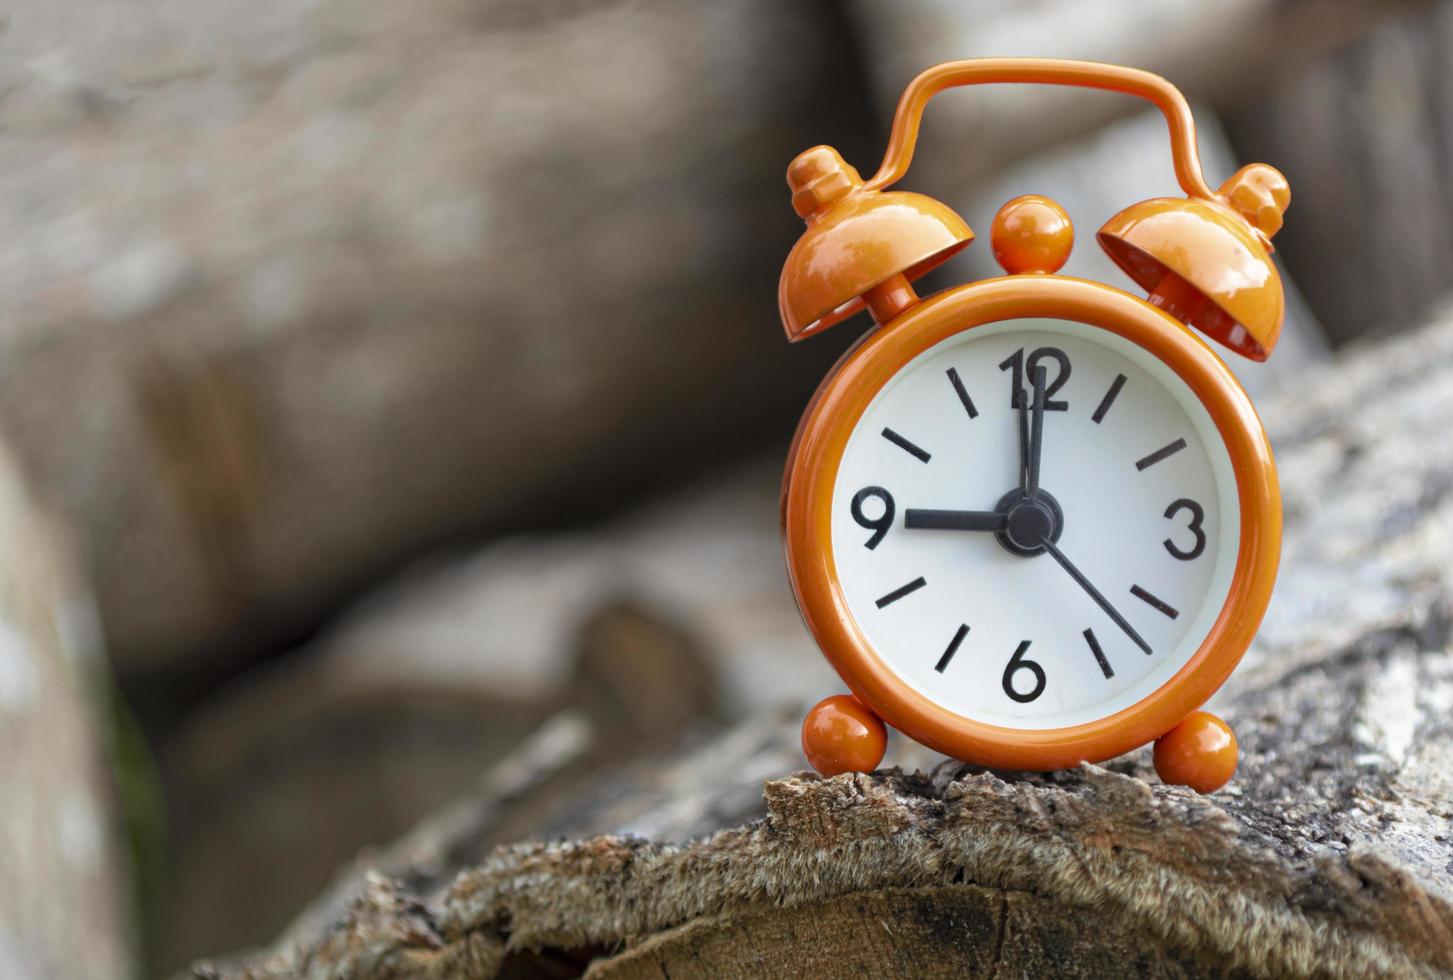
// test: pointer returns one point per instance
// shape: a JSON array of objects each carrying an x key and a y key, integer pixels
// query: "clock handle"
[{"x": 1044, "y": 71}]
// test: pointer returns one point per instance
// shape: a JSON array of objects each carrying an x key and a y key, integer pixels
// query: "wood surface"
[
  {"x": 308, "y": 763},
  {"x": 1365, "y": 136},
  {"x": 295, "y": 295},
  {"x": 67, "y": 894}
]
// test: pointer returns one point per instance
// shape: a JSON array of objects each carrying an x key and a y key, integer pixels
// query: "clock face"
[{"x": 1035, "y": 597}]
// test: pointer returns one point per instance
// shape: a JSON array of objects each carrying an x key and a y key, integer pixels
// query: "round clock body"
[{"x": 1032, "y": 632}]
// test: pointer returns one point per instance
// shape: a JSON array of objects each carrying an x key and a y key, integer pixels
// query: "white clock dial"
[{"x": 1135, "y": 492}]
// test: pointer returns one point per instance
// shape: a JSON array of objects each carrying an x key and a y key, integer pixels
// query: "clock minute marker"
[
  {"x": 953, "y": 648},
  {"x": 1105, "y": 667},
  {"x": 923, "y": 455},
  {"x": 1160, "y": 605},
  {"x": 1160, "y": 454},
  {"x": 962, "y": 392},
  {"x": 902, "y": 591},
  {"x": 1109, "y": 399}
]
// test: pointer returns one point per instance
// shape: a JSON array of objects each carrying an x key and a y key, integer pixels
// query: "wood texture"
[
  {"x": 1329, "y": 854},
  {"x": 1366, "y": 137},
  {"x": 66, "y": 894},
  {"x": 295, "y": 294},
  {"x": 304, "y": 765},
  {"x": 934, "y": 932}
]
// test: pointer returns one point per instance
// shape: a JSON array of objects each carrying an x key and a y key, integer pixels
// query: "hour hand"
[{"x": 956, "y": 520}]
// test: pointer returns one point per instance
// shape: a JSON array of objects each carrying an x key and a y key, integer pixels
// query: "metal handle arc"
[{"x": 1044, "y": 71}]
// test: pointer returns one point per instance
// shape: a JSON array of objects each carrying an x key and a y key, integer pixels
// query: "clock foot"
[
  {"x": 841, "y": 734},
  {"x": 1200, "y": 753}
]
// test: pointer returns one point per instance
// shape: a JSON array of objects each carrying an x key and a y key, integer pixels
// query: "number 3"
[{"x": 1197, "y": 517}]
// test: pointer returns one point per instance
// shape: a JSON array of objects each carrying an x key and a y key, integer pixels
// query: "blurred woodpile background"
[{"x": 394, "y": 401}]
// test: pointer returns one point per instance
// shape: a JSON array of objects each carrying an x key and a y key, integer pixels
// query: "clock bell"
[{"x": 1205, "y": 259}]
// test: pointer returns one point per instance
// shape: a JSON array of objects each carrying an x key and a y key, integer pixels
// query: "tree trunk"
[{"x": 1328, "y": 854}]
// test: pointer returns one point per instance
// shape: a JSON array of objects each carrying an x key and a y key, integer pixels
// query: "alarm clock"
[{"x": 1032, "y": 521}]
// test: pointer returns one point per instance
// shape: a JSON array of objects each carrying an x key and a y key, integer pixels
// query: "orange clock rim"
[{"x": 817, "y": 453}]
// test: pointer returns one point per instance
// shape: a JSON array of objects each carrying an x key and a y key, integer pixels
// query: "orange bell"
[
  {"x": 1208, "y": 262},
  {"x": 856, "y": 240}
]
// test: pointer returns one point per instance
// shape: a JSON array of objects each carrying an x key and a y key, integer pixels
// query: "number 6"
[{"x": 1018, "y": 663}]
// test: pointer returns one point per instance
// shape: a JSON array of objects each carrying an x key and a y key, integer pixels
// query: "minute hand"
[
  {"x": 956, "y": 520},
  {"x": 1036, "y": 437},
  {"x": 1104, "y": 603}
]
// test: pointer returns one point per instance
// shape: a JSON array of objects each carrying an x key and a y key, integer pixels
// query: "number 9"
[{"x": 878, "y": 525}]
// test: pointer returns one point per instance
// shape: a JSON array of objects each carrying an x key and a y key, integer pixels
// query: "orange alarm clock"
[{"x": 1032, "y": 521}]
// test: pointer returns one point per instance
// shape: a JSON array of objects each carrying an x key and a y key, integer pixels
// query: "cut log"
[
  {"x": 66, "y": 892},
  {"x": 303, "y": 765},
  {"x": 1329, "y": 854},
  {"x": 293, "y": 296},
  {"x": 1366, "y": 138}
]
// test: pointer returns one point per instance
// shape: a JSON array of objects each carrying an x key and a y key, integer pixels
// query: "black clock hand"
[
  {"x": 1095, "y": 594},
  {"x": 1036, "y": 436},
  {"x": 956, "y": 520},
  {"x": 1022, "y": 403}
]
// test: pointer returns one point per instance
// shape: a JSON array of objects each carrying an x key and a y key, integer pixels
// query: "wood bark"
[
  {"x": 307, "y": 763},
  {"x": 431, "y": 682},
  {"x": 1328, "y": 855}
]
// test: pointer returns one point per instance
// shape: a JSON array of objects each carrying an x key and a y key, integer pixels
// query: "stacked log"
[
  {"x": 67, "y": 902},
  {"x": 293, "y": 306},
  {"x": 313, "y": 761},
  {"x": 1366, "y": 138},
  {"x": 328, "y": 262},
  {"x": 644, "y": 626}
]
